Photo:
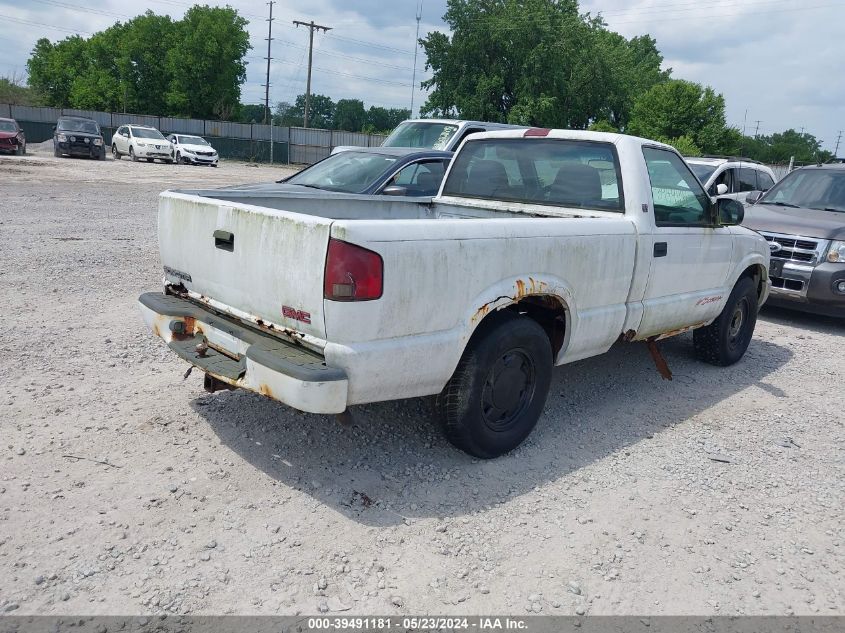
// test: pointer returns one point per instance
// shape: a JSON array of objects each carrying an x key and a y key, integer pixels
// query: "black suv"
[
  {"x": 803, "y": 219},
  {"x": 78, "y": 136}
]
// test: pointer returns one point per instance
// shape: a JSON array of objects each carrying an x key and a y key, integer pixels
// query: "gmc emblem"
[{"x": 296, "y": 315}]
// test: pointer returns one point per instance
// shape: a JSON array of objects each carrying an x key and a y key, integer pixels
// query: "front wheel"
[
  {"x": 496, "y": 395},
  {"x": 21, "y": 150},
  {"x": 115, "y": 154},
  {"x": 724, "y": 341},
  {"x": 132, "y": 156}
]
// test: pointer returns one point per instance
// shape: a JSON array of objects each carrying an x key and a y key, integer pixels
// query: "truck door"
[{"x": 691, "y": 257}]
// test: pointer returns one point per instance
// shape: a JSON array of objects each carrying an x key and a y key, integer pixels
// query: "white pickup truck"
[{"x": 543, "y": 247}]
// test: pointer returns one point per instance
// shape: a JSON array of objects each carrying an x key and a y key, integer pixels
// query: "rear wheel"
[
  {"x": 724, "y": 341},
  {"x": 497, "y": 393}
]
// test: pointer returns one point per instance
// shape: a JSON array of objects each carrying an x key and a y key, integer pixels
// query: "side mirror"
[
  {"x": 754, "y": 197},
  {"x": 731, "y": 212},
  {"x": 394, "y": 190},
  {"x": 721, "y": 189}
]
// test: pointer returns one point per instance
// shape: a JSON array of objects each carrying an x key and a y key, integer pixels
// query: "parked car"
[
  {"x": 442, "y": 134},
  {"x": 141, "y": 142},
  {"x": 12, "y": 138},
  {"x": 193, "y": 150},
  {"x": 803, "y": 219},
  {"x": 543, "y": 247},
  {"x": 78, "y": 136},
  {"x": 732, "y": 178}
]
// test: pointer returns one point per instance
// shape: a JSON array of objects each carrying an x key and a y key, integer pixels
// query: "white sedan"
[
  {"x": 193, "y": 150},
  {"x": 140, "y": 142}
]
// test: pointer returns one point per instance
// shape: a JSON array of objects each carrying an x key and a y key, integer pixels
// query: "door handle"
[
  {"x": 661, "y": 249},
  {"x": 224, "y": 240}
]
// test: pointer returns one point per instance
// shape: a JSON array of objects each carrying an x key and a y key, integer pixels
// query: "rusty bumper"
[{"x": 244, "y": 357}]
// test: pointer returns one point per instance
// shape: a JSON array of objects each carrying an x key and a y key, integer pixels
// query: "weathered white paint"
[{"x": 448, "y": 264}]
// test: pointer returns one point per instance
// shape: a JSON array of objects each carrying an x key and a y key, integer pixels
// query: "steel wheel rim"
[
  {"x": 508, "y": 390},
  {"x": 737, "y": 322}
]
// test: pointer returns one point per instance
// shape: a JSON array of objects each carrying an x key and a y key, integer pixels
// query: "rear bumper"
[{"x": 245, "y": 357}]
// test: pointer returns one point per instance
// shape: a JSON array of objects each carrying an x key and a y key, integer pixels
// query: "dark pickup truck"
[{"x": 803, "y": 219}]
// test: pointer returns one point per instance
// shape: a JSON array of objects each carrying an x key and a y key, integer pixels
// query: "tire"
[
  {"x": 56, "y": 152},
  {"x": 102, "y": 154},
  {"x": 132, "y": 156},
  {"x": 214, "y": 164},
  {"x": 115, "y": 154},
  {"x": 21, "y": 150},
  {"x": 511, "y": 363},
  {"x": 724, "y": 341},
  {"x": 150, "y": 160}
]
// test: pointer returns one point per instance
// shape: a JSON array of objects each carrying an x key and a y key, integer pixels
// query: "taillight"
[{"x": 352, "y": 273}]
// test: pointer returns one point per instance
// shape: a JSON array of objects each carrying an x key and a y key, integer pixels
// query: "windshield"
[
  {"x": 702, "y": 172},
  {"x": 192, "y": 140},
  {"x": 810, "y": 188},
  {"x": 427, "y": 135},
  {"x": 73, "y": 125},
  {"x": 352, "y": 172},
  {"x": 139, "y": 132},
  {"x": 7, "y": 126}
]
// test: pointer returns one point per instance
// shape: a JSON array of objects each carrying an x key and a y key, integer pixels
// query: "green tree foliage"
[
  {"x": 251, "y": 113},
  {"x": 14, "y": 92},
  {"x": 678, "y": 108},
  {"x": 206, "y": 62},
  {"x": 382, "y": 120},
  {"x": 349, "y": 115},
  {"x": 150, "y": 64},
  {"x": 684, "y": 144},
  {"x": 536, "y": 62},
  {"x": 320, "y": 114},
  {"x": 781, "y": 146}
]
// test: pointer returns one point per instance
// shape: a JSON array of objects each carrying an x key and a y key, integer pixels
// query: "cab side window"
[
  {"x": 678, "y": 197},
  {"x": 747, "y": 179},
  {"x": 422, "y": 178},
  {"x": 764, "y": 181}
]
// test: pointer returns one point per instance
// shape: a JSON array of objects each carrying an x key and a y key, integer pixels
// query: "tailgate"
[{"x": 253, "y": 262}]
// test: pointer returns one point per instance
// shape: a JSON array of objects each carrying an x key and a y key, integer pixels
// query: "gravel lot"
[{"x": 126, "y": 490}]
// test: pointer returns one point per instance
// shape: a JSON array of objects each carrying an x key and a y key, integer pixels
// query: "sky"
[{"x": 779, "y": 63}]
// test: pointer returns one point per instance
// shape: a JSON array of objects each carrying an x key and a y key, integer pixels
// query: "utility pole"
[
  {"x": 416, "y": 48},
  {"x": 757, "y": 129},
  {"x": 838, "y": 139},
  {"x": 311, "y": 27},
  {"x": 268, "y": 58}
]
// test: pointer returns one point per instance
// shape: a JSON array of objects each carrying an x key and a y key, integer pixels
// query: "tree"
[
  {"x": 349, "y": 115},
  {"x": 678, "y": 108},
  {"x": 14, "y": 92},
  {"x": 251, "y": 113},
  {"x": 150, "y": 64},
  {"x": 780, "y": 147},
  {"x": 52, "y": 68},
  {"x": 535, "y": 62},
  {"x": 206, "y": 62}
]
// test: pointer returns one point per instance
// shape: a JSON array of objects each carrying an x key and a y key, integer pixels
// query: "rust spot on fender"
[
  {"x": 629, "y": 336},
  {"x": 265, "y": 390},
  {"x": 520, "y": 288}
]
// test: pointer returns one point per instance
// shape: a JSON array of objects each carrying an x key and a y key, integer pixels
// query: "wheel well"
[
  {"x": 548, "y": 311},
  {"x": 757, "y": 273}
]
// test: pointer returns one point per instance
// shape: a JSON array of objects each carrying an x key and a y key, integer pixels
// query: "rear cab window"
[{"x": 555, "y": 172}]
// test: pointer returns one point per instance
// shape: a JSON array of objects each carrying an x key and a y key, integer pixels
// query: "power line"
[{"x": 311, "y": 28}]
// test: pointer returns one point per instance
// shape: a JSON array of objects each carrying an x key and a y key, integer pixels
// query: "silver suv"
[{"x": 739, "y": 176}]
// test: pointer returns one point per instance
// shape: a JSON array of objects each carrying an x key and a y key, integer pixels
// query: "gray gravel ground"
[{"x": 124, "y": 489}]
